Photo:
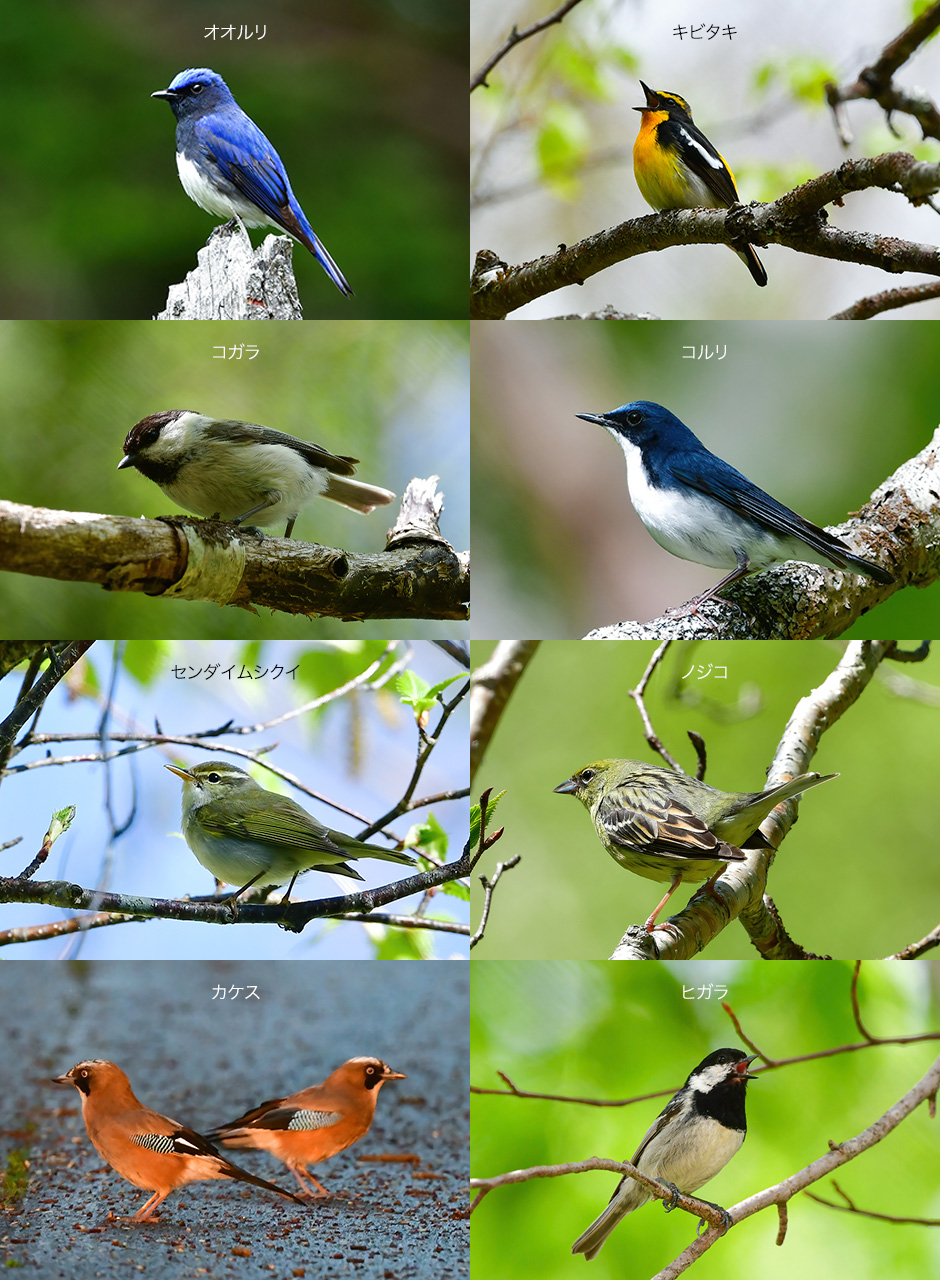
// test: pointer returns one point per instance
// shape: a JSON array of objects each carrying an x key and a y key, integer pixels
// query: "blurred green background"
[
  {"x": 364, "y": 100},
  {"x": 817, "y": 414},
  {"x": 610, "y": 1031},
  {"x": 392, "y": 393},
  {"x": 858, "y": 874}
]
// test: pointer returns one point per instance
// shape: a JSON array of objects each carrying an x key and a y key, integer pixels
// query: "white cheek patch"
[{"x": 201, "y": 191}]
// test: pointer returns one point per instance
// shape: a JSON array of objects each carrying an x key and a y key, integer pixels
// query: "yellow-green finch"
[
  {"x": 664, "y": 825},
  {"x": 242, "y": 832}
]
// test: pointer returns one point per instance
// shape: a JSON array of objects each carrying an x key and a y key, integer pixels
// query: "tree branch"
[
  {"x": 876, "y": 81},
  {"x": 493, "y": 685},
  {"x": 488, "y": 887},
  {"x": 516, "y": 37},
  {"x": 888, "y": 300},
  {"x": 795, "y": 220},
  {"x": 900, "y": 524},
  {"x": 417, "y": 576}
]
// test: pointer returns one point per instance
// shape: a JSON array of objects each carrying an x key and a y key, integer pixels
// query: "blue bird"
[
  {"x": 229, "y": 168},
  {"x": 699, "y": 508}
]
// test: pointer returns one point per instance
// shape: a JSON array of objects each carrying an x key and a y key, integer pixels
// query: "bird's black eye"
[
  {"x": 151, "y": 435},
  {"x": 197, "y": 88},
  {"x": 215, "y": 777},
  {"x": 588, "y": 774},
  {"x": 634, "y": 418}
]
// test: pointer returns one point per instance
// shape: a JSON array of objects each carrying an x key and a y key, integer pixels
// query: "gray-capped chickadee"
[
  {"x": 233, "y": 470},
  {"x": 692, "y": 1138}
]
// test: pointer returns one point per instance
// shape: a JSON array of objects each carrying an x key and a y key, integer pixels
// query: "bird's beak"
[
  {"x": 393, "y": 1075},
  {"x": 650, "y": 98},
  {"x": 62, "y": 1079},
  {"x": 169, "y": 94},
  {"x": 180, "y": 773},
  {"x": 127, "y": 461},
  {"x": 597, "y": 418},
  {"x": 745, "y": 1074},
  {"x": 570, "y": 785}
]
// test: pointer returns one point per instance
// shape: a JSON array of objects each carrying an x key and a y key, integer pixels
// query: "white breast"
[{"x": 203, "y": 193}]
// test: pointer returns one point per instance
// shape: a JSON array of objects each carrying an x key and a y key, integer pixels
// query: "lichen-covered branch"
[
  {"x": 900, "y": 525},
  {"x": 419, "y": 576},
  {"x": 796, "y": 220}
]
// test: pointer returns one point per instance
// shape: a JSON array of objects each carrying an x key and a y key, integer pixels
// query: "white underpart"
[
  {"x": 231, "y": 479},
  {"x": 693, "y": 527},
  {"x": 203, "y": 193}
]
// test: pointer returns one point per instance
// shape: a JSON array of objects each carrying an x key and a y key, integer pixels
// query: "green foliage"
[
  {"x": 146, "y": 660},
  {"x": 475, "y": 818},
  {"x": 804, "y": 78},
  {"x": 561, "y": 145},
  {"x": 401, "y": 944},
  {"x": 429, "y": 835},
  {"x": 607, "y": 1032},
  {"x": 417, "y": 693},
  {"x": 15, "y": 1180}
]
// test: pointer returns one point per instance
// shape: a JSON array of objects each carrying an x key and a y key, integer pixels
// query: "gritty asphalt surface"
[{"x": 202, "y": 1061}]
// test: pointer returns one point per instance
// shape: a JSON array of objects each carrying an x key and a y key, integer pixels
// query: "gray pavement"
[{"x": 202, "y": 1061}]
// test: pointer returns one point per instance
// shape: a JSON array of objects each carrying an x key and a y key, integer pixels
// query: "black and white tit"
[
  {"x": 232, "y": 470},
  {"x": 692, "y": 1138}
]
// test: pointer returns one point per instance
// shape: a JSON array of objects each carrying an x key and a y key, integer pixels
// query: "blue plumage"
[
  {"x": 701, "y": 509},
  {"x": 229, "y": 168}
]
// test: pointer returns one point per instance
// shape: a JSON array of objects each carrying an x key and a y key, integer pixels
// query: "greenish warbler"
[
  {"x": 243, "y": 833},
  {"x": 664, "y": 825}
]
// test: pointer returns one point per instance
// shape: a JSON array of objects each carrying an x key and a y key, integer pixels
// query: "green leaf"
[
  {"x": 417, "y": 693},
  {"x": 561, "y": 145},
  {"x": 456, "y": 889},
  {"x": 146, "y": 660},
  {"x": 475, "y": 818},
  {"x": 429, "y": 835},
  {"x": 393, "y": 943}
]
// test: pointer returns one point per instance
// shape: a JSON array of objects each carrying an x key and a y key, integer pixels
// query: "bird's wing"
[
  {"x": 745, "y": 498},
  {"x": 171, "y": 1139},
  {"x": 231, "y": 431},
  {"x": 248, "y": 161},
  {"x": 663, "y": 826},
  {"x": 293, "y": 827},
  {"x": 705, "y": 162},
  {"x": 667, "y": 1113}
]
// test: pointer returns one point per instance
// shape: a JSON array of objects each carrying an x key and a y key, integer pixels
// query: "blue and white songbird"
[
  {"x": 229, "y": 168},
  {"x": 700, "y": 508}
]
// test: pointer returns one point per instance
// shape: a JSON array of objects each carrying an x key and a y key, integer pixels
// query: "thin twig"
[
  {"x": 489, "y": 886},
  {"x": 516, "y": 37}
]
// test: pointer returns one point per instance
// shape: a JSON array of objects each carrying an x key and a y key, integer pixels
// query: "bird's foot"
[{"x": 673, "y": 1200}]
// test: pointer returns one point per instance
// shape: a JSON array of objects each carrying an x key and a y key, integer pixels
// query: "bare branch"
[
  {"x": 795, "y": 219},
  {"x": 851, "y": 1207},
  {"x": 190, "y": 559},
  {"x": 489, "y": 886},
  {"x": 889, "y": 300},
  {"x": 876, "y": 81},
  {"x": 516, "y": 37},
  {"x": 493, "y": 685}
]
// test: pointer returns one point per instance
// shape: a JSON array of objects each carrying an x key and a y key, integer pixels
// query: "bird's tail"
[
  {"x": 230, "y": 1170},
  {"x": 355, "y": 494},
  {"x": 322, "y": 255},
  {"x": 358, "y": 849},
  {"x": 750, "y": 259},
  {"x": 590, "y": 1241}
]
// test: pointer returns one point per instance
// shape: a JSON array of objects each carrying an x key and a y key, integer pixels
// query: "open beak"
[{"x": 570, "y": 785}]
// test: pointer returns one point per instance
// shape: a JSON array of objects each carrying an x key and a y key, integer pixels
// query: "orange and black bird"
[
  {"x": 676, "y": 167},
  {"x": 314, "y": 1124}
]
